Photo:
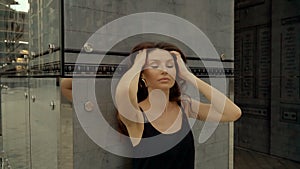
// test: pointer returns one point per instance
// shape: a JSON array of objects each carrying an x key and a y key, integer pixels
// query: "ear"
[{"x": 142, "y": 75}]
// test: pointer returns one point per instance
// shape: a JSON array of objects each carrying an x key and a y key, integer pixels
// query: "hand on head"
[
  {"x": 182, "y": 69},
  {"x": 141, "y": 57}
]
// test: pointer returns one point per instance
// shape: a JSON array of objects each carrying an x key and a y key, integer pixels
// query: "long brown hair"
[
  {"x": 175, "y": 90},
  {"x": 142, "y": 93}
]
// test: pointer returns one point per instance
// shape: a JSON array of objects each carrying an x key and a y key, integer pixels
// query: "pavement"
[{"x": 248, "y": 159}]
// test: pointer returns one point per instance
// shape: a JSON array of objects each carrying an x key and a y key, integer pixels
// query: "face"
[{"x": 159, "y": 70}]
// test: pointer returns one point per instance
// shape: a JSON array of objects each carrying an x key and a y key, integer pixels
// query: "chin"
[{"x": 164, "y": 87}]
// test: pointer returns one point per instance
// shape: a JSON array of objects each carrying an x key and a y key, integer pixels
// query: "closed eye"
[
  {"x": 170, "y": 64},
  {"x": 154, "y": 65}
]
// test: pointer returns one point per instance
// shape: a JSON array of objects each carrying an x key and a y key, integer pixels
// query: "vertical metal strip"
[{"x": 62, "y": 39}]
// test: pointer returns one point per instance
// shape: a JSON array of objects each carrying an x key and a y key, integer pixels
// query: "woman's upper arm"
[
  {"x": 200, "y": 111},
  {"x": 206, "y": 112},
  {"x": 197, "y": 110}
]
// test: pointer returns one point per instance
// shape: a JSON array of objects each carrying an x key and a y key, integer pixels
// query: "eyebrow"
[{"x": 158, "y": 60}]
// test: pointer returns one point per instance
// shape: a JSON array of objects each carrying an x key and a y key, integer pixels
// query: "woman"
[{"x": 156, "y": 106}]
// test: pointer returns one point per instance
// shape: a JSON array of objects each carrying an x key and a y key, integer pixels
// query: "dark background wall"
[{"x": 267, "y": 51}]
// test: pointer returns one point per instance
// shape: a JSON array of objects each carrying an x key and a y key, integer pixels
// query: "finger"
[
  {"x": 141, "y": 56},
  {"x": 140, "y": 59},
  {"x": 177, "y": 54},
  {"x": 141, "y": 51},
  {"x": 179, "y": 59}
]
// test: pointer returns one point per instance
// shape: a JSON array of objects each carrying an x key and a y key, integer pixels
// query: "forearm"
[
  {"x": 221, "y": 103},
  {"x": 126, "y": 94},
  {"x": 128, "y": 86}
]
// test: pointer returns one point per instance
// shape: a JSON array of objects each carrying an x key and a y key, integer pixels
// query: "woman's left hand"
[{"x": 183, "y": 71}]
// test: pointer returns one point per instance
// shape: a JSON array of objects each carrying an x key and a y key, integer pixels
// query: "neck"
[
  {"x": 166, "y": 92},
  {"x": 152, "y": 111}
]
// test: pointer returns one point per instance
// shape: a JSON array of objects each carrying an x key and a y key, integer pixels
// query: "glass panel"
[
  {"x": 13, "y": 38},
  {"x": 44, "y": 37},
  {"x": 44, "y": 118},
  {"x": 15, "y": 113},
  {"x": 14, "y": 93},
  {"x": 65, "y": 154}
]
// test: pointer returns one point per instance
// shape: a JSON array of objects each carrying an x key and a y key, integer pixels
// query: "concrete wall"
[{"x": 83, "y": 18}]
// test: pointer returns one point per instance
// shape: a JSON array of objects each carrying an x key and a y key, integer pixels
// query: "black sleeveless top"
[{"x": 179, "y": 156}]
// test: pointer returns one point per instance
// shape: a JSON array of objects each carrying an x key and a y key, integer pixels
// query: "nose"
[
  {"x": 164, "y": 72},
  {"x": 168, "y": 71},
  {"x": 164, "y": 69}
]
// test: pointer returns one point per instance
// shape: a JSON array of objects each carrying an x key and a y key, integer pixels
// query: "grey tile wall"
[
  {"x": 213, "y": 18},
  {"x": 82, "y": 19}
]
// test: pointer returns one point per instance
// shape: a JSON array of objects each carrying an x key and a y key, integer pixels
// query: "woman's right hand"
[{"x": 140, "y": 59}]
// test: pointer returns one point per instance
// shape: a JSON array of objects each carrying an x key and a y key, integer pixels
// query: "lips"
[{"x": 164, "y": 79}]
